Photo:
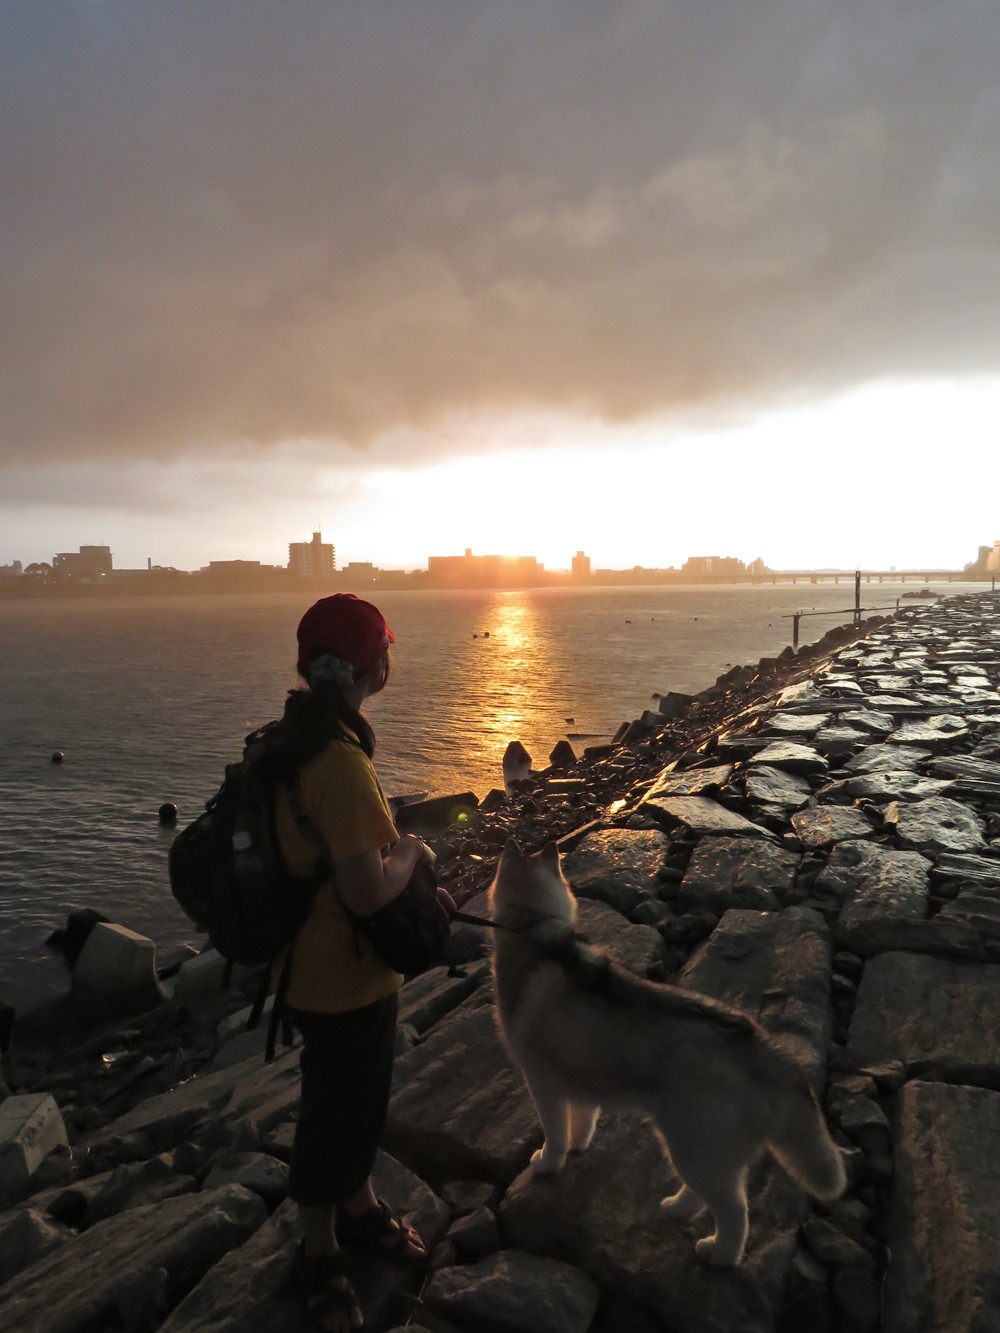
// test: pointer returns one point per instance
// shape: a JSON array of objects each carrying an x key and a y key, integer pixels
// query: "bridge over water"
[{"x": 851, "y": 575}]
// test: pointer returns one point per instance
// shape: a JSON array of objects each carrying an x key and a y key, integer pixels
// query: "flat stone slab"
[
  {"x": 795, "y": 724},
  {"x": 969, "y": 767},
  {"x": 121, "y": 1268},
  {"x": 944, "y": 1270},
  {"x": 496, "y": 1292},
  {"x": 859, "y": 870},
  {"x": 881, "y": 758},
  {"x": 702, "y": 816},
  {"x": 983, "y": 870},
  {"x": 777, "y": 788},
  {"x": 618, "y": 866},
  {"x": 836, "y": 742},
  {"x": 867, "y": 720},
  {"x": 977, "y": 906},
  {"x": 936, "y": 824},
  {"x": 636, "y": 947},
  {"x": 883, "y": 786},
  {"x": 934, "y": 733},
  {"x": 736, "y": 872},
  {"x": 690, "y": 782},
  {"x": 459, "y": 1108},
  {"x": 601, "y": 1214},
  {"x": 823, "y": 825},
  {"x": 774, "y": 966},
  {"x": 793, "y": 757},
  {"x": 933, "y": 1014}
]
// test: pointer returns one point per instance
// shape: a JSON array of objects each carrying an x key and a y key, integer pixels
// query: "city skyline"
[
  {"x": 315, "y": 561},
  {"x": 650, "y": 279}
]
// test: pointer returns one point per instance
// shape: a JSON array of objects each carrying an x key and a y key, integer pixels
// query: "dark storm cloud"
[{"x": 255, "y": 222}]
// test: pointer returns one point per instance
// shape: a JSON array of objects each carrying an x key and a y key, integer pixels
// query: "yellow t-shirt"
[{"x": 334, "y": 968}]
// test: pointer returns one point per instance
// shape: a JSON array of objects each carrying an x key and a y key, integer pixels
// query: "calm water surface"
[{"x": 148, "y": 698}]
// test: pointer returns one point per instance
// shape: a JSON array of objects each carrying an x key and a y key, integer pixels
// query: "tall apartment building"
[{"x": 312, "y": 560}]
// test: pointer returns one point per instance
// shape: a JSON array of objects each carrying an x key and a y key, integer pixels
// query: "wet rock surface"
[{"x": 816, "y": 841}]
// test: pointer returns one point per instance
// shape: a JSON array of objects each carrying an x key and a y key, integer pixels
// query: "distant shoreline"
[{"x": 23, "y": 588}]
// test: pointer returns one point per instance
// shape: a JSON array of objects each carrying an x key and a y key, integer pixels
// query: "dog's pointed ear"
[
  {"x": 550, "y": 852},
  {"x": 511, "y": 848}
]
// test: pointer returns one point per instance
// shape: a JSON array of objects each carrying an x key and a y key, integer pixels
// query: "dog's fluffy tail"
[{"x": 800, "y": 1139}]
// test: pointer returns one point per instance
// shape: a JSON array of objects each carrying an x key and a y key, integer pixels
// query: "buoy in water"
[
  {"x": 168, "y": 813},
  {"x": 57, "y": 756}
]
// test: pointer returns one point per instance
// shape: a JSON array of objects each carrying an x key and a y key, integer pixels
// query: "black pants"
[{"x": 346, "y": 1065}]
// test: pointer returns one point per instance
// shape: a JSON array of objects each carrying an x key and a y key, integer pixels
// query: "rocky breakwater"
[{"x": 816, "y": 842}]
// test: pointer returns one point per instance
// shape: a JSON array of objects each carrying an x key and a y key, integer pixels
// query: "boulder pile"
[{"x": 815, "y": 840}]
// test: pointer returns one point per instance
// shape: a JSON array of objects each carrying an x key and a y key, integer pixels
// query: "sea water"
[{"x": 148, "y": 698}]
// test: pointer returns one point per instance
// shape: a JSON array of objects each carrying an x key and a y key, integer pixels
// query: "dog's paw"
[
  {"x": 682, "y": 1205},
  {"x": 709, "y": 1252},
  {"x": 547, "y": 1163}
]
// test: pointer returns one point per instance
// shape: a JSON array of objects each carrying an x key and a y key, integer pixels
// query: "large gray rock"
[
  {"x": 424, "y": 1000},
  {"x": 776, "y": 967},
  {"x": 250, "y": 1096},
  {"x": 637, "y": 947},
  {"x": 701, "y": 816},
  {"x": 515, "y": 1292},
  {"x": 618, "y": 866},
  {"x": 459, "y": 1108},
  {"x": 26, "y": 1236},
  {"x": 601, "y": 1214},
  {"x": 128, "y": 1271},
  {"x": 880, "y": 758},
  {"x": 934, "y": 1015},
  {"x": 822, "y": 825},
  {"x": 968, "y": 869},
  {"x": 944, "y": 1270},
  {"x": 786, "y": 723},
  {"x": 937, "y": 824},
  {"x": 882, "y": 785},
  {"x": 775, "y": 789},
  {"x": 736, "y": 872},
  {"x": 932, "y": 733},
  {"x": 689, "y": 782},
  {"x": 890, "y": 882},
  {"x": 793, "y": 757}
]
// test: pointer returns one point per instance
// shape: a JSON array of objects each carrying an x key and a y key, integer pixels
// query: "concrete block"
[
  {"x": 117, "y": 969},
  {"x": 200, "y": 975},
  {"x": 31, "y": 1125},
  {"x": 233, "y": 1024}
]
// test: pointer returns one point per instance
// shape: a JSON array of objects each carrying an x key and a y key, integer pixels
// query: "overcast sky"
[{"x": 647, "y": 279}]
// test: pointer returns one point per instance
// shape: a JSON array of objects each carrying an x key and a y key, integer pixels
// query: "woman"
[{"x": 341, "y": 996}]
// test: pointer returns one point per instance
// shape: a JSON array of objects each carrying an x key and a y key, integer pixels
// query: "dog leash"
[{"x": 470, "y": 919}]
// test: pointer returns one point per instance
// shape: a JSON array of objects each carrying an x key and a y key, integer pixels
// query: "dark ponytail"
[{"x": 312, "y": 718}]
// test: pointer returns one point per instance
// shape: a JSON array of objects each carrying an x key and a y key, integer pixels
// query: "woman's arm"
[{"x": 369, "y": 880}]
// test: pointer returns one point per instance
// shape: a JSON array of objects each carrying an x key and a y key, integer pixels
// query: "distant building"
[
  {"x": 712, "y": 566},
  {"x": 312, "y": 560},
  {"x": 484, "y": 571},
  {"x": 360, "y": 571},
  {"x": 11, "y": 571},
  {"x": 233, "y": 567},
  {"x": 993, "y": 559},
  {"x": 580, "y": 566},
  {"x": 89, "y": 564}
]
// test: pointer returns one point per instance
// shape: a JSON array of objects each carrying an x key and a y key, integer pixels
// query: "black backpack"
[{"x": 226, "y": 868}]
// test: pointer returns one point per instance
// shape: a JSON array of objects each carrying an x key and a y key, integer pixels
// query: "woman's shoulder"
[{"x": 339, "y": 759}]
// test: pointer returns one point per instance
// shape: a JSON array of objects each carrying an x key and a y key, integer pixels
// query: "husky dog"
[{"x": 586, "y": 1033}]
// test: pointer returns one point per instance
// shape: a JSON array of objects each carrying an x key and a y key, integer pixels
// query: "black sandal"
[
  {"x": 380, "y": 1230},
  {"x": 323, "y": 1281}
]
